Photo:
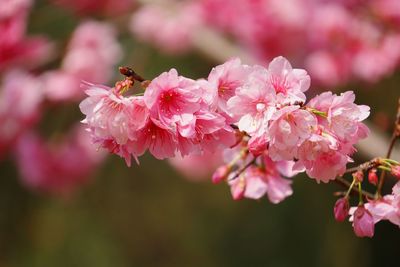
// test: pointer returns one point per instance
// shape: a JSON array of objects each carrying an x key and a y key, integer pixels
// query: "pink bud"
[
  {"x": 359, "y": 176},
  {"x": 238, "y": 189},
  {"x": 363, "y": 222},
  {"x": 220, "y": 174},
  {"x": 395, "y": 171},
  {"x": 372, "y": 177},
  {"x": 341, "y": 209}
]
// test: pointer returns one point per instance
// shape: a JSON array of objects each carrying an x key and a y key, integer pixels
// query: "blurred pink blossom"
[
  {"x": 337, "y": 41},
  {"x": 92, "y": 52},
  {"x": 15, "y": 48},
  {"x": 57, "y": 167},
  {"x": 197, "y": 167},
  {"x": 169, "y": 27},
  {"x": 21, "y": 96}
]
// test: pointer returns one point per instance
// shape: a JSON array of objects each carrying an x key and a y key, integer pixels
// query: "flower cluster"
[
  {"x": 377, "y": 208},
  {"x": 258, "y": 115}
]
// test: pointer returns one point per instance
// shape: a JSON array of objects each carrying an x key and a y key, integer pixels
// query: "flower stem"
[
  {"x": 242, "y": 169},
  {"x": 347, "y": 184},
  {"x": 360, "y": 201}
]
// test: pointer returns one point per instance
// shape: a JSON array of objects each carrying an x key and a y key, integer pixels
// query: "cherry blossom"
[
  {"x": 341, "y": 209},
  {"x": 363, "y": 223},
  {"x": 254, "y": 102},
  {"x": 110, "y": 118},
  {"x": 19, "y": 108},
  {"x": 173, "y": 99},
  {"x": 56, "y": 168}
]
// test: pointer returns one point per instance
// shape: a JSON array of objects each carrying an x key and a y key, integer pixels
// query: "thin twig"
[
  {"x": 242, "y": 170},
  {"x": 365, "y": 166},
  {"x": 347, "y": 184}
]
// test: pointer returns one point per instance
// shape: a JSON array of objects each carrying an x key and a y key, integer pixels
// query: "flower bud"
[
  {"x": 358, "y": 175},
  {"x": 341, "y": 209},
  {"x": 363, "y": 222},
  {"x": 395, "y": 171},
  {"x": 220, "y": 174},
  {"x": 238, "y": 188},
  {"x": 373, "y": 177}
]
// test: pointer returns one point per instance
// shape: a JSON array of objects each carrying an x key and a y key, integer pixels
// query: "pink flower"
[
  {"x": 363, "y": 222},
  {"x": 258, "y": 143},
  {"x": 358, "y": 176},
  {"x": 254, "y": 101},
  {"x": 225, "y": 79},
  {"x": 289, "y": 83},
  {"x": 12, "y": 7},
  {"x": 373, "y": 177},
  {"x": 257, "y": 182},
  {"x": 325, "y": 153},
  {"x": 327, "y": 68},
  {"x": 372, "y": 63},
  {"x": 168, "y": 27},
  {"x": 154, "y": 136},
  {"x": 91, "y": 54},
  {"x": 289, "y": 128},
  {"x": 223, "y": 138},
  {"x": 197, "y": 167},
  {"x": 173, "y": 99},
  {"x": 113, "y": 119},
  {"x": 238, "y": 188},
  {"x": 395, "y": 171},
  {"x": 220, "y": 174},
  {"x": 208, "y": 130},
  {"x": 20, "y": 105},
  {"x": 386, "y": 208},
  {"x": 343, "y": 116},
  {"x": 341, "y": 209},
  {"x": 99, "y": 37},
  {"x": 60, "y": 85},
  {"x": 15, "y": 48},
  {"x": 321, "y": 158},
  {"x": 57, "y": 168},
  {"x": 388, "y": 10}
]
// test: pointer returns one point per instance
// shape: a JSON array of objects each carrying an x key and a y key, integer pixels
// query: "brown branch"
[
  {"x": 242, "y": 170},
  {"x": 365, "y": 166}
]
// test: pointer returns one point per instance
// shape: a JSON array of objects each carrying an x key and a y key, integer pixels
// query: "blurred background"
[{"x": 63, "y": 203}]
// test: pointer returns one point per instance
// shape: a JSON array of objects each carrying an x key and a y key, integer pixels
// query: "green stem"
[
  {"x": 360, "y": 201},
  {"x": 347, "y": 184}
]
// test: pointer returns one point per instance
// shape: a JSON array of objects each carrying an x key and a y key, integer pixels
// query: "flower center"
[{"x": 260, "y": 107}]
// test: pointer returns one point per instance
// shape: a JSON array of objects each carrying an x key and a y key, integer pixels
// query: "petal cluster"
[{"x": 259, "y": 115}]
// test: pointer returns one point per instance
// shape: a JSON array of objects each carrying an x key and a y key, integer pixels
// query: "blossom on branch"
[{"x": 258, "y": 115}]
